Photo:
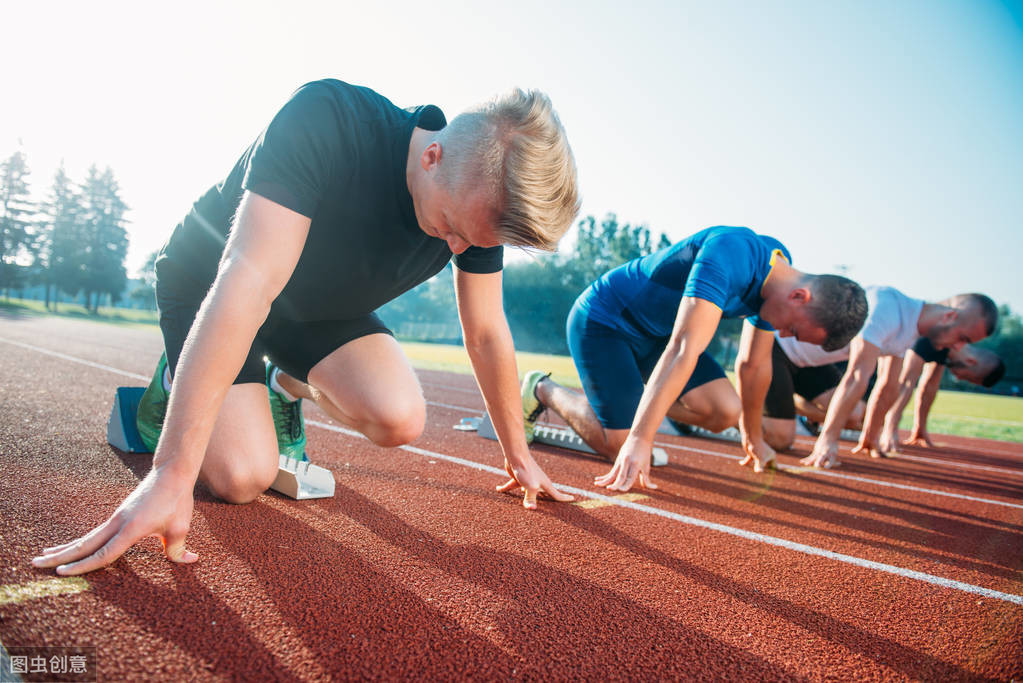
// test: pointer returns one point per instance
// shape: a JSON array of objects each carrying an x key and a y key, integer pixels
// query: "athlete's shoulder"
[{"x": 342, "y": 96}]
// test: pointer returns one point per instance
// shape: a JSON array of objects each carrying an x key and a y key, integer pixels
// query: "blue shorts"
[{"x": 614, "y": 367}]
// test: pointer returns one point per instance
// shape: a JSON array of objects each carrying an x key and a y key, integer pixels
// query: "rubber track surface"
[{"x": 418, "y": 569}]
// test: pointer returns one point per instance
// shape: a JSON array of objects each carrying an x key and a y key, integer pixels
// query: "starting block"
[
  {"x": 299, "y": 479},
  {"x": 562, "y": 437},
  {"x": 122, "y": 433}
]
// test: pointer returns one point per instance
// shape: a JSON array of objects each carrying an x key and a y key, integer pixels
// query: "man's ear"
[
  {"x": 950, "y": 316},
  {"x": 800, "y": 295},
  {"x": 431, "y": 156}
]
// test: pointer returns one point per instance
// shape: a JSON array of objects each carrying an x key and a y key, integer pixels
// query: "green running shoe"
[
  {"x": 153, "y": 407},
  {"x": 531, "y": 406},
  {"x": 288, "y": 422}
]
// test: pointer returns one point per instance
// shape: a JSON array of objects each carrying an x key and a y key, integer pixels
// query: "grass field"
[
  {"x": 954, "y": 412},
  {"x": 116, "y": 316}
]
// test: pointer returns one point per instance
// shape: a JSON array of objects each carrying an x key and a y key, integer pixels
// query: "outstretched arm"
[
  {"x": 492, "y": 353},
  {"x": 260, "y": 255},
  {"x": 930, "y": 382},
  {"x": 862, "y": 359},
  {"x": 885, "y": 392},
  {"x": 912, "y": 366},
  {"x": 695, "y": 324},
  {"x": 753, "y": 370}
]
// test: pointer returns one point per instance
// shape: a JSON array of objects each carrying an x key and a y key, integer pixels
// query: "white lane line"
[
  {"x": 15, "y": 593},
  {"x": 804, "y": 470},
  {"x": 446, "y": 387},
  {"x": 852, "y": 477},
  {"x": 692, "y": 521},
  {"x": 827, "y": 473},
  {"x": 996, "y": 451},
  {"x": 81, "y": 361},
  {"x": 714, "y": 526},
  {"x": 809, "y": 441}
]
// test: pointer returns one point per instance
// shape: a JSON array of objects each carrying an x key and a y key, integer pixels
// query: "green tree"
[
  {"x": 1007, "y": 342},
  {"x": 16, "y": 213},
  {"x": 58, "y": 253},
  {"x": 539, "y": 294},
  {"x": 145, "y": 293},
  {"x": 104, "y": 238},
  {"x": 601, "y": 247}
]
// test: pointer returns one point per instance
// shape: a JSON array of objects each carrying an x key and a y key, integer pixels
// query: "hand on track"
[
  {"x": 889, "y": 444},
  {"x": 760, "y": 454},
  {"x": 919, "y": 438},
  {"x": 632, "y": 466},
  {"x": 824, "y": 456},
  {"x": 155, "y": 508},
  {"x": 532, "y": 482},
  {"x": 870, "y": 448}
]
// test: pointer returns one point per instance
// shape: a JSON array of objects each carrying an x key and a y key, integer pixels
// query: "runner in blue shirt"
[{"x": 638, "y": 336}]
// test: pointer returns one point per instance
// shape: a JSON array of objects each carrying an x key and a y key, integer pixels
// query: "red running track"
[{"x": 897, "y": 569}]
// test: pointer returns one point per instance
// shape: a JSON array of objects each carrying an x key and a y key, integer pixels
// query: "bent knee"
[
  {"x": 723, "y": 418},
  {"x": 779, "y": 441},
  {"x": 238, "y": 485},
  {"x": 398, "y": 425}
]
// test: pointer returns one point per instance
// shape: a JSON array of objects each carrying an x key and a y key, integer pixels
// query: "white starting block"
[
  {"x": 299, "y": 479},
  {"x": 563, "y": 437}
]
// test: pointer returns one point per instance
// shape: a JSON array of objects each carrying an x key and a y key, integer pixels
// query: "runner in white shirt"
[{"x": 894, "y": 322}]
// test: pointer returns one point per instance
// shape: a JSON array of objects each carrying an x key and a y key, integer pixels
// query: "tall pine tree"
[
  {"x": 16, "y": 211},
  {"x": 59, "y": 252},
  {"x": 105, "y": 239}
]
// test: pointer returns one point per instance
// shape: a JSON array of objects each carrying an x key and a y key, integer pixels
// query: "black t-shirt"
[
  {"x": 925, "y": 349},
  {"x": 335, "y": 153}
]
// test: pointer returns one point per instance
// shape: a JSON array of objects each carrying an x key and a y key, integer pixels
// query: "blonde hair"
[{"x": 514, "y": 146}]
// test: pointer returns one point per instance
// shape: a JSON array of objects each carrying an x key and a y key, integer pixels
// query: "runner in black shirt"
[{"x": 341, "y": 204}]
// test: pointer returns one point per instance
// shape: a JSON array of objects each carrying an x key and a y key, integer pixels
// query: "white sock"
[
  {"x": 166, "y": 379},
  {"x": 276, "y": 386}
]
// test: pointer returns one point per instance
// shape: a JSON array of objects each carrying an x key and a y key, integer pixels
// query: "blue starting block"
[{"x": 122, "y": 432}]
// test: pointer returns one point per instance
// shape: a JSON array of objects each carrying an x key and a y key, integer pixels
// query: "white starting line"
[
  {"x": 714, "y": 526},
  {"x": 620, "y": 502}
]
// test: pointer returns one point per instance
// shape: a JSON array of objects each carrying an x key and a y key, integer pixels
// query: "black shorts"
[
  {"x": 294, "y": 347},
  {"x": 788, "y": 379}
]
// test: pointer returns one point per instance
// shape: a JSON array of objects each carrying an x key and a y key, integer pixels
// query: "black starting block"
[{"x": 297, "y": 479}]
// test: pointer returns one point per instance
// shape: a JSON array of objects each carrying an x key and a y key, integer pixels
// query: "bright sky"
[{"x": 883, "y": 136}]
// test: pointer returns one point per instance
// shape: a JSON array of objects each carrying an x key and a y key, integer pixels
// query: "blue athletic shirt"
[{"x": 723, "y": 265}]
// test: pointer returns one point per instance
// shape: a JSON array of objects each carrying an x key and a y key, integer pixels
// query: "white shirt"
[{"x": 891, "y": 326}]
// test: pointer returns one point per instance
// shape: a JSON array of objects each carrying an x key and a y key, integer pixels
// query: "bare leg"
[
  {"x": 817, "y": 409},
  {"x": 714, "y": 406},
  {"x": 779, "y": 433},
  {"x": 368, "y": 385},
  {"x": 574, "y": 409},
  {"x": 241, "y": 458}
]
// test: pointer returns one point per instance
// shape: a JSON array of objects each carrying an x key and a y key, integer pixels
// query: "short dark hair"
[
  {"x": 987, "y": 309},
  {"x": 837, "y": 304},
  {"x": 995, "y": 376}
]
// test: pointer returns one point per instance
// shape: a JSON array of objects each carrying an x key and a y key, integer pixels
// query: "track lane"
[{"x": 426, "y": 534}]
